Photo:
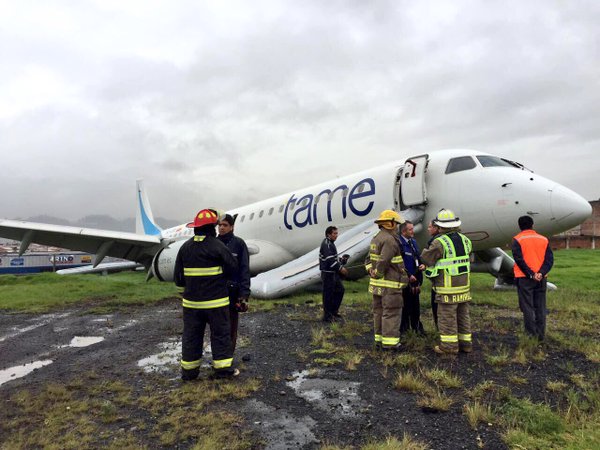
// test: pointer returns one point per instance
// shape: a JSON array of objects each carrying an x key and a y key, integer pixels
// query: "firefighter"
[
  {"x": 239, "y": 284},
  {"x": 447, "y": 258},
  {"x": 533, "y": 260},
  {"x": 387, "y": 279},
  {"x": 202, "y": 267}
]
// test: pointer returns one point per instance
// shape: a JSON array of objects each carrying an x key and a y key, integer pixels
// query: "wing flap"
[{"x": 304, "y": 271}]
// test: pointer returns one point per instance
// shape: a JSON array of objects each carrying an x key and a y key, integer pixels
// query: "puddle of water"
[
  {"x": 338, "y": 396},
  {"x": 160, "y": 362},
  {"x": 42, "y": 320},
  {"x": 83, "y": 341},
  {"x": 169, "y": 356},
  {"x": 12, "y": 373},
  {"x": 280, "y": 430},
  {"x": 126, "y": 325}
]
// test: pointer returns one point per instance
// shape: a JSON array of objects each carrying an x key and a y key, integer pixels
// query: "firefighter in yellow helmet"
[
  {"x": 388, "y": 276},
  {"x": 202, "y": 268},
  {"x": 447, "y": 258}
]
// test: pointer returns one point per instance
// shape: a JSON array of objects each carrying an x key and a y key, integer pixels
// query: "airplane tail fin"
[{"x": 144, "y": 220}]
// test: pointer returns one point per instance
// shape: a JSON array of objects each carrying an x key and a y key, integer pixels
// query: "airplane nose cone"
[{"x": 569, "y": 208}]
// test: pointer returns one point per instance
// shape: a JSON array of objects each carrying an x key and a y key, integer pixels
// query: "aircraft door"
[{"x": 412, "y": 183}]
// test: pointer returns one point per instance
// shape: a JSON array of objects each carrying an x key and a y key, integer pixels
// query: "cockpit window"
[
  {"x": 494, "y": 161},
  {"x": 459, "y": 164}
]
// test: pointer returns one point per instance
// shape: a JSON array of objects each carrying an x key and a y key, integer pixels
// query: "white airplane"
[{"x": 284, "y": 233}]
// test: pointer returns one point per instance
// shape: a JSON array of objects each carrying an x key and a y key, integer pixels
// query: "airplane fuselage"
[{"x": 486, "y": 192}]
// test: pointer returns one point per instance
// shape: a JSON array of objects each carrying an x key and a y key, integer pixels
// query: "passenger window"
[
  {"x": 459, "y": 164},
  {"x": 271, "y": 211},
  {"x": 260, "y": 214},
  {"x": 242, "y": 218},
  {"x": 281, "y": 208},
  {"x": 251, "y": 216}
]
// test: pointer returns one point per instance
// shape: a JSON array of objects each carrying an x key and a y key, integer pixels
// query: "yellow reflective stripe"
[
  {"x": 452, "y": 290},
  {"x": 199, "y": 238},
  {"x": 449, "y": 262},
  {"x": 206, "y": 304},
  {"x": 390, "y": 340},
  {"x": 377, "y": 338},
  {"x": 449, "y": 338},
  {"x": 368, "y": 266},
  {"x": 188, "y": 365},
  {"x": 222, "y": 363},
  {"x": 386, "y": 283},
  {"x": 376, "y": 257},
  {"x": 464, "y": 337},
  {"x": 202, "y": 271}
]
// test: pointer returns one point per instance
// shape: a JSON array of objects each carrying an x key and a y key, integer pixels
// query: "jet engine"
[{"x": 163, "y": 264}]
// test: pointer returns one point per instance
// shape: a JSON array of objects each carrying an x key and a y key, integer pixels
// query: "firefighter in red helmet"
[{"x": 202, "y": 267}]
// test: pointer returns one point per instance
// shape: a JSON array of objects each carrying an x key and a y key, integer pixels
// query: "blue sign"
[{"x": 17, "y": 262}]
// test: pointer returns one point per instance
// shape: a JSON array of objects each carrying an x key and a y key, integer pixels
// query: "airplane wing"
[
  {"x": 131, "y": 246},
  {"x": 304, "y": 271},
  {"x": 109, "y": 267}
]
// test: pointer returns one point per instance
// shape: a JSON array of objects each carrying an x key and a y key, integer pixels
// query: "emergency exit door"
[{"x": 412, "y": 183}]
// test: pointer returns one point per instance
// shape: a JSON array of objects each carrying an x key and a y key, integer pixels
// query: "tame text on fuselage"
[{"x": 300, "y": 212}]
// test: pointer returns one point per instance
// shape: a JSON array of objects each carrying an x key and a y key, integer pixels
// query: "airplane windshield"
[{"x": 494, "y": 161}]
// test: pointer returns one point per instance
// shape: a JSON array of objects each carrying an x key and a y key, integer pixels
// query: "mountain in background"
[{"x": 102, "y": 222}]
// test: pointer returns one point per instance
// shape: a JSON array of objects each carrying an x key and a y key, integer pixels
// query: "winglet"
[{"x": 144, "y": 220}]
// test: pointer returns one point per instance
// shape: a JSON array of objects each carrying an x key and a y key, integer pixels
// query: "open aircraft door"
[{"x": 412, "y": 187}]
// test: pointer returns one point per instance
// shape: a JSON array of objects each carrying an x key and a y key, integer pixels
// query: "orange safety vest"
[{"x": 533, "y": 247}]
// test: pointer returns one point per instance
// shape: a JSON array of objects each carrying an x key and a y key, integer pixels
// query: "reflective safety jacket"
[
  {"x": 385, "y": 256},
  {"x": 202, "y": 268},
  {"x": 532, "y": 254},
  {"x": 447, "y": 258}
]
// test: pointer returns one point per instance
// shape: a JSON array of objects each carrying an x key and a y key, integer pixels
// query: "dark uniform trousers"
[
  {"x": 234, "y": 315},
  {"x": 333, "y": 293},
  {"x": 387, "y": 310},
  {"x": 532, "y": 302},
  {"x": 449, "y": 316},
  {"x": 194, "y": 324},
  {"x": 411, "y": 311}
]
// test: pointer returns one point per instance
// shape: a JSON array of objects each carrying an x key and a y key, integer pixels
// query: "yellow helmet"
[
  {"x": 389, "y": 216},
  {"x": 447, "y": 219}
]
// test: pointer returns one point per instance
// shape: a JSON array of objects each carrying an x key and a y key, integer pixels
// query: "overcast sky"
[{"x": 226, "y": 102}]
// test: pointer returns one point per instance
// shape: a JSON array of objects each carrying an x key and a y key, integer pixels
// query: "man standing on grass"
[
  {"x": 332, "y": 269},
  {"x": 202, "y": 267},
  {"x": 449, "y": 267},
  {"x": 387, "y": 279},
  {"x": 239, "y": 284},
  {"x": 411, "y": 312},
  {"x": 533, "y": 260}
]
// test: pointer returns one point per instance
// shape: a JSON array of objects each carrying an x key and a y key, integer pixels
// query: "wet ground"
[{"x": 300, "y": 404}]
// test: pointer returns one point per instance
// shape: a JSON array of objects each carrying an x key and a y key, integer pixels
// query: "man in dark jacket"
[
  {"x": 202, "y": 267},
  {"x": 332, "y": 267},
  {"x": 239, "y": 284},
  {"x": 411, "y": 311},
  {"x": 533, "y": 260}
]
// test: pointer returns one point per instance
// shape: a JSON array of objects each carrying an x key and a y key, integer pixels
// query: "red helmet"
[{"x": 204, "y": 217}]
